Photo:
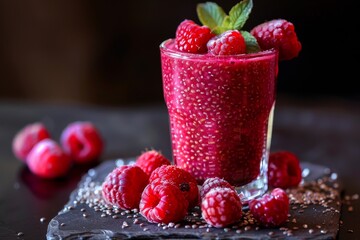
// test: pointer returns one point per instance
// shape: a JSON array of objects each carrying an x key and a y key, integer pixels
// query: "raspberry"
[
  {"x": 180, "y": 178},
  {"x": 150, "y": 160},
  {"x": 221, "y": 207},
  {"x": 284, "y": 170},
  {"x": 82, "y": 141},
  {"x": 191, "y": 37},
  {"x": 230, "y": 42},
  {"x": 272, "y": 209},
  {"x": 163, "y": 203},
  {"x": 27, "y": 137},
  {"x": 279, "y": 34},
  {"x": 214, "y": 182},
  {"x": 123, "y": 186},
  {"x": 47, "y": 160}
]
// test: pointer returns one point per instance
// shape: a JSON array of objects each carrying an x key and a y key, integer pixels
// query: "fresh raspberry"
[
  {"x": 271, "y": 210},
  {"x": 230, "y": 42},
  {"x": 279, "y": 34},
  {"x": 163, "y": 203},
  {"x": 191, "y": 37},
  {"x": 47, "y": 160},
  {"x": 27, "y": 137},
  {"x": 123, "y": 186},
  {"x": 82, "y": 141},
  {"x": 221, "y": 207},
  {"x": 180, "y": 178},
  {"x": 149, "y": 160},
  {"x": 284, "y": 170},
  {"x": 214, "y": 182}
]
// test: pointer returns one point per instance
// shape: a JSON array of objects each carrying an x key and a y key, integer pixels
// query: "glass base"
[
  {"x": 253, "y": 189},
  {"x": 257, "y": 187}
]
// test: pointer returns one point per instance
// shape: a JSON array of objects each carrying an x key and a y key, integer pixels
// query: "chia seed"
[{"x": 321, "y": 192}]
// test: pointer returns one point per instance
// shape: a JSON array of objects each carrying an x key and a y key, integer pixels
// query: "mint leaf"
[
  {"x": 252, "y": 45},
  {"x": 240, "y": 13},
  {"x": 224, "y": 26},
  {"x": 210, "y": 14}
]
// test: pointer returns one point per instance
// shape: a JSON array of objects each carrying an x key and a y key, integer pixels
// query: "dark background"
[{"x": 106, "y": 52}]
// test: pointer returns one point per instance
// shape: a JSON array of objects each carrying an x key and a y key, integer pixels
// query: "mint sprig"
[{"x": 212, "y": 15}]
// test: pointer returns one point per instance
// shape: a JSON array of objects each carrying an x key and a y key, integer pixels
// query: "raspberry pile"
[
  {"x": 223, "y": 34},
  {"x": 161, "y": 191},
  {"x": 167, "y": 194},
  {"x": 80, "y": 143}
]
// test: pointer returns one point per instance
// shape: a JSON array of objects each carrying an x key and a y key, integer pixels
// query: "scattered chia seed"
[
  {"x": 19, "y": 234},
  {"x": 323, "y": 193},
  {"x": 42, "y": 219}
]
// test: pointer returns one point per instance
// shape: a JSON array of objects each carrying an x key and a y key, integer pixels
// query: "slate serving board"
[{"x": 314, "y": 214}]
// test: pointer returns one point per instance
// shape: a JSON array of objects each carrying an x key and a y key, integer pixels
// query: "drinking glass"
[{"x": 220, "y": 114}]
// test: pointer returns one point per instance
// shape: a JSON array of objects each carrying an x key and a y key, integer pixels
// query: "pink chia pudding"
[{"x": 219, "y": 109}]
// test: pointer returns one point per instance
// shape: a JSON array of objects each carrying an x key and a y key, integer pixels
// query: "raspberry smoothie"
[{"x": 220, "y": 110}]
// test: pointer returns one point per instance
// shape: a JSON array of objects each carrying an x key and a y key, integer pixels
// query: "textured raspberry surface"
[
  {"x": 180, "y": 178},
  {"x": 149, "y": 160},
  {"x": 163, "y": 203},
  {"x": 221, "y": 207},
  {"x": 82, "y": 141},
  {"x": 279, "y": 34},
  {"x": 284, "y": 170},
  {"x": 47, "y": 160},
  {"x": 214, "y": 182},
  {"x": 124, "y": 185},
  {"x": 272, "y": 209},
  {"x": 191, "y": 37},
  {"x": 27, "y": 137},
  {"x": 230, "y": 42}
]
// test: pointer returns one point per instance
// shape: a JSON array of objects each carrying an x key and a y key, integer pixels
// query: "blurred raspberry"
[
  {"x": 284, "y": 170},
  {"x": 82, "y": 141},
  {"x": 279, "y": 34},
  {"x": 27, "y": 137},
  {"x": 47, "y": 160}
]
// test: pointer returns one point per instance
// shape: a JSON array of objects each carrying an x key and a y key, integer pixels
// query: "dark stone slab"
[{"x": 315, "y": 213}]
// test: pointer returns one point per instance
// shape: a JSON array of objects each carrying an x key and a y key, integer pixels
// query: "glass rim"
[{"x": 185, "y": 55}]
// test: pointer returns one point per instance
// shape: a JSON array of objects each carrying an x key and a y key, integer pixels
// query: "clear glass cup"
[{"x": 220, "y": 112}]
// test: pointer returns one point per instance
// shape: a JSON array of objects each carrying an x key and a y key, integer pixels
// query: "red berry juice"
[{"x": 219, "y": 109}]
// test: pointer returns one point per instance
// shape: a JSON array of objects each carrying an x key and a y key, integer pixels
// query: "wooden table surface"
[{"x": 322, "y": 131}]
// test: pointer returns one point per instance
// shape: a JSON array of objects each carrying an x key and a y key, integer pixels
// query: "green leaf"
[
  {"x": 224, "y": 26},
  {"x": 252, "y": 45},
  {"x": 210, "y": 14},
  {"x": 239, "y": 14}
]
